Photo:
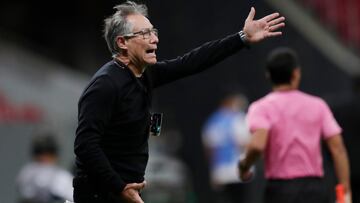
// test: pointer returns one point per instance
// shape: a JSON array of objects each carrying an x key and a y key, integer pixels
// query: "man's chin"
[{"x": 151, "y": 62}]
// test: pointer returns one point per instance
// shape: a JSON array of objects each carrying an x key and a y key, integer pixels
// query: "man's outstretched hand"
[{"x": 268, "y": 26}]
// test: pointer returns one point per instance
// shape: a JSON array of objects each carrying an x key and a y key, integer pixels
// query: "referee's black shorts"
[{"x": 299, "y": 190}]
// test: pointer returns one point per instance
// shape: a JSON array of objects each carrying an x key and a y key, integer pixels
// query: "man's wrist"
[
  {"x": 243, "y": 166},
  {"x": 244, "y": 39}
]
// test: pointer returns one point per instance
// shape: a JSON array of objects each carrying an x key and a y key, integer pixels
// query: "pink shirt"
[{"x": 296, "y": 122}]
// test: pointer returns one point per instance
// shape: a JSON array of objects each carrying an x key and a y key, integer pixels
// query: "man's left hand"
[
  {"x": 245, "y": 173},
  {"x": 268, "y": 26}
]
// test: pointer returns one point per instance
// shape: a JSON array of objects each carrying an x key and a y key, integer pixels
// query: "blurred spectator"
[
  {"x": 224, "y": 137},
  {"x": 167, "y": 176},
  {"x": 42, "y": 180}
]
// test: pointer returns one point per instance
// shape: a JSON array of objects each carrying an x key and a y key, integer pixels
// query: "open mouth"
[{"x": 150, "y": 51}]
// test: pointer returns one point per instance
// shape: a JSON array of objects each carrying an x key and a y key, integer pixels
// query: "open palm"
[{"x": 257, "y": 30}]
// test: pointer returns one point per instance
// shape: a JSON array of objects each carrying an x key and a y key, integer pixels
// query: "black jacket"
[{"x": 111, "y": 144}]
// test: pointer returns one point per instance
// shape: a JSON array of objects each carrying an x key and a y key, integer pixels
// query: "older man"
[{"x": 111, "y": 144}]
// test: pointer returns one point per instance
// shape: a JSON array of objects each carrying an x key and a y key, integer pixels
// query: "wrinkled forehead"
[{"x": 139, "y": 22}]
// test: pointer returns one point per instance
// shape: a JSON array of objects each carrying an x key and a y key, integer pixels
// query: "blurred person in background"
[
  {"x": 167, "y": 174},
  {"x": 42, "y": 180},
  {"x": 224, "y": 138},
  {"x": 288, "y": 125},
  {"x": 111, "y": 143}
]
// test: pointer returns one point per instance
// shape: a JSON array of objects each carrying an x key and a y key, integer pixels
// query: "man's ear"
[
  {"x": 121, "y": 42},
  {"x": 296, "y": 73}
]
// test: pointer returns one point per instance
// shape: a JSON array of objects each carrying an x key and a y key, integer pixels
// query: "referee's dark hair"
[
  {"x": 44, "y": 143},
  {"x": 280, "y": 65}
]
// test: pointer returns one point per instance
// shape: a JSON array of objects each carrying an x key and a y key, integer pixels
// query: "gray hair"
[{"x": 117, "y": 24}]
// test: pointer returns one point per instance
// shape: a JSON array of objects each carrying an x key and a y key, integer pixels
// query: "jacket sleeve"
[
  {"x": 95, "y": 107},
  {"x": 196, "y": 60}
]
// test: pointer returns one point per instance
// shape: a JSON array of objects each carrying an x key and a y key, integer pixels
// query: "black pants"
[
  {"x": 229, "y": 193},
  {"x": 299, "y": 190},
  {"x": 86, "y": 191}
]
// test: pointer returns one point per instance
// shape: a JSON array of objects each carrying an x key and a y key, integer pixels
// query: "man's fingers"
[
  {"x": 271, "y": 17},
  {"x": 132, "y": 194},
  {"x": 135, "y": 197},
  {"x": 273, "y": 34},
  {"x": 276, "y": 21},
  {"x": 246, "y": 176},
  {"x": 142, "y": 185},
  {"x": 135, "y": 186},
  {"x": 275, "y": 27},
  {"x": 138, "y": 199},
  {"x": 130, "y": 185},
  {"x": 138, "y": 186},
  {"x": 251, "y": 14}
]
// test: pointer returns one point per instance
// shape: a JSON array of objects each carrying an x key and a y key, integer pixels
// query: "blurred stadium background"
[{"x": 50, "y": 49}]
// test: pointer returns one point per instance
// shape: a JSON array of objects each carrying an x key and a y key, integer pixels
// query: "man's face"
[{"x": 140, "y": 49}]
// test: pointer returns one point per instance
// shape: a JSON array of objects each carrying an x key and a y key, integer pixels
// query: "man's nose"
[{"x": 154, "y": 38}]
